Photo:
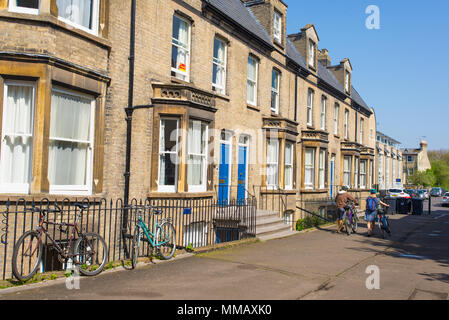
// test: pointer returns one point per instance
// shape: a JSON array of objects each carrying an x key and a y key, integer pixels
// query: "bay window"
[
  {"x": 219, "y": 66},
  {"x": 168, "y": 155},
  {"x": 356, "y": 173},
  {"x": 288, "y": 165},
  {"x": 272, "y": 163},
  {"x": 180, "y": 54},
  {"x": 71, "y": 142},
  {"x": 309, "y": 168},
  {"x": 17, "y": 136},
  {"x": 251, "y": 83},
  {"x": 363, "y": 174},
  {"x": 321, "y": 169},
  {"x": 24, "y": 6},
  {"x": 275, "y": 91},
  {"x": 347, "y": 163},
  {"x": 197, "y": 156},
  {"x": 83, "y": 14}
]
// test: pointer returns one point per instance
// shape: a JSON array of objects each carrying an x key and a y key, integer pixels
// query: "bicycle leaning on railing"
[
  {"x": 163, "y": 238},
  {"x": 89, "y": 251},
  {"x": 351, "y": 219}
]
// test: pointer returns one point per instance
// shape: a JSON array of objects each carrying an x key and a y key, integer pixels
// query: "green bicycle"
[{"x": 164, "y": 238}]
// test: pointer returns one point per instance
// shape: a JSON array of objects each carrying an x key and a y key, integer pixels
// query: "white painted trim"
[
  {"x": 14, "y": 8},
  {"x": 95, "y": 20}
]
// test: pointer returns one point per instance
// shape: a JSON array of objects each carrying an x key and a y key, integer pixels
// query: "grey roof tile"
[
  {"x": 236, "y": 11},
  {"x": 293, "y": 54}
]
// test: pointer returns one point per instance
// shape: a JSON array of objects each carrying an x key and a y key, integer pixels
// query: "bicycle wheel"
[
  {"x": 348, "y": 227},
  {"x": 27, "y": 255},
  {"x": 382, "y": 231},
  {"x": 135, "y": 247},
  {"x": 355, "y": 223},
  {"x": 91, "y": 253},
  {"x": 388, "y": 228},
  {"x": 166, "y": 240}
]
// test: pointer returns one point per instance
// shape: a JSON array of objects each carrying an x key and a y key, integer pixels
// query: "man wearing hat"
[{"x": 341, "y": 201}]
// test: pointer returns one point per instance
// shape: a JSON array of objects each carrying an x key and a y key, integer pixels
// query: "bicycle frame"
[
  {"x": 148, "y": 233},
  {"x": 43, "y": 230}
]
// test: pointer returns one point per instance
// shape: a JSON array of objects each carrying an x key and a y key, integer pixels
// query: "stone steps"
[{"x": 270, "y": 226}]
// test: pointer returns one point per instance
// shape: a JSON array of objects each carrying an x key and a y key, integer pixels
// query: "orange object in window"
[{"x": 182, "y": 67}]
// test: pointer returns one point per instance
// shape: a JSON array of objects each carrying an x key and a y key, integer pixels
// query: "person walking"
[
  {"x": 341, "y": 201},
  {"x": 372, "y": 205}
]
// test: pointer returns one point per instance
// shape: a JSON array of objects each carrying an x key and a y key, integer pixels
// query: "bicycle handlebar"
[{"x": 44, "y": 211}]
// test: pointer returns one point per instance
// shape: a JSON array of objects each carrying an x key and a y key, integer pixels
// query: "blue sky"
[{"x": 401, "y": 70}]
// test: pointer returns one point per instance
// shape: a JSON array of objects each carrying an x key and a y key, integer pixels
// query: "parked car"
[
  {"x": 397, "y": 193},
  {"x": 445, "y": 200},
  {"x": 412, "y": 192},
  {"x": 436, "y": 192},
  {"x": 426, "y": 193},
  {"x": 422, "y": 194}
]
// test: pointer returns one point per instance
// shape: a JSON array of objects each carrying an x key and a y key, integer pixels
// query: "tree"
[{"x": 423, "y": 178}]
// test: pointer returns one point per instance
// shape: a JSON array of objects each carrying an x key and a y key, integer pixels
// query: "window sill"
[
  {"x": 252, "y": 107},
  {"x": 180, "y": 195},
  {"x": 55, "y": 22},
  {"x": 179, "y": 81},
  {"x": 314, "y": 191},
  {"x": 336, "y": 136},
  {"x": 51, "y": 198}
]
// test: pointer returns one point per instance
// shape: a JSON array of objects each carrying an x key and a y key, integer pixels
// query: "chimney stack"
[{"x": 323, "y": 57}]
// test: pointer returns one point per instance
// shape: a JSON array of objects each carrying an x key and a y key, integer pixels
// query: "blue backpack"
[{"x": 371, "y": 204}]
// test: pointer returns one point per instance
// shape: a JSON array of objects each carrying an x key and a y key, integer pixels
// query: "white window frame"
[
  {"x": 336, "y": 116},
  {"x": 13, "y": 7},
  {"x": 363, "y": 164},
  {"x": 323, "y": 113},
  {"x": 220, "y": 65},
  {"x": 244, "y": 141},
  {"x": 356, "y": 173},
  {"x": 15, "y": 187},
  {"x": 95, "y": 19},
  {"x": 253, "y": 81},
  {"x": 164, "y": 188},
  {"x": 275, "y": 91},
  {"x": 277, "y": 27},
  {"x": 346, "y": 80},
  {"x": 79, "y": 189},
  {"x": 310, "y": 96},
  {"x": 322, "y": 169},
  {"x": 347, "y": 170},
  {"x": 289, "y": 145},
  {"x": 201, "y": 187},
  {"x": 346, "y": 124},
  {"x": 309, "y": 184},
  {"x": 311, "y": 53},
  {"x": 274, "y": 164},
  {"x": 185, "y": 76}
]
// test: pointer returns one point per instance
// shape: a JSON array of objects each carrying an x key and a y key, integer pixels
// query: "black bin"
[
  {"x": 392, "y": 209},
  {"x": 418, "y": 206},
  {"x": 403, "y": 205}
]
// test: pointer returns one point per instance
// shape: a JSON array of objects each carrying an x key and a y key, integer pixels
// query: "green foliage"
[
  {"x": 190, "y": 248},
  {"x": 309, "y": 222},
  {"x": 423, "y": 178}
]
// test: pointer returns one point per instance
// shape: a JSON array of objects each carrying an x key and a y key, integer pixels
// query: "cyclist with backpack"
[
  {"x": 372, "y": 203},
  {"x": 341, "y": 201}
]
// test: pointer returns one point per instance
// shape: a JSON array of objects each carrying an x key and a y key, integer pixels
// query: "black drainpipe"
[
  {"x": 296, "y": 96},
  {"x": 129, "y": 111}
]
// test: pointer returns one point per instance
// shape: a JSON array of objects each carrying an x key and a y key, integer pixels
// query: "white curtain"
[
  {"x": 251, "y": 82},
  {"x": 289, "y": 165},
  {"x": 180, "y": 43},
  {"x": 70, "y": 122},
  {"x": 309, "y": 168},
  {"x": 17, "y": 134},
  {"x": 347, "y": 171},
  {"x": 196, "y": 147},
  {"x": 272, "y": 162},
  {"x": 321, "y": 168},
  {"x": 76, "y": 11},
  {"x": 219, "y": 63}
]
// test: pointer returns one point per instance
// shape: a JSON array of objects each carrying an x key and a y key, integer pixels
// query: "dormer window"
[
  {"x": 312, "y": 54},
  {"x": 277, "y": 27},
  {"x": 347, "y": 81},
  {"x": 24, "y": 6}
]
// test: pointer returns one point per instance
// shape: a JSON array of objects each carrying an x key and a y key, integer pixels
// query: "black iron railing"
[{"x": 198, "y": 223}]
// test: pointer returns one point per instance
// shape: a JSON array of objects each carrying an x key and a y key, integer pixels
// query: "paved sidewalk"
[{"x": 413, "y": 264}]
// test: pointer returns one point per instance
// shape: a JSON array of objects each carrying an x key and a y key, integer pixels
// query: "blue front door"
[
  {"x": 241, "y": 189},
  {"x": 223, "y": 176}
]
